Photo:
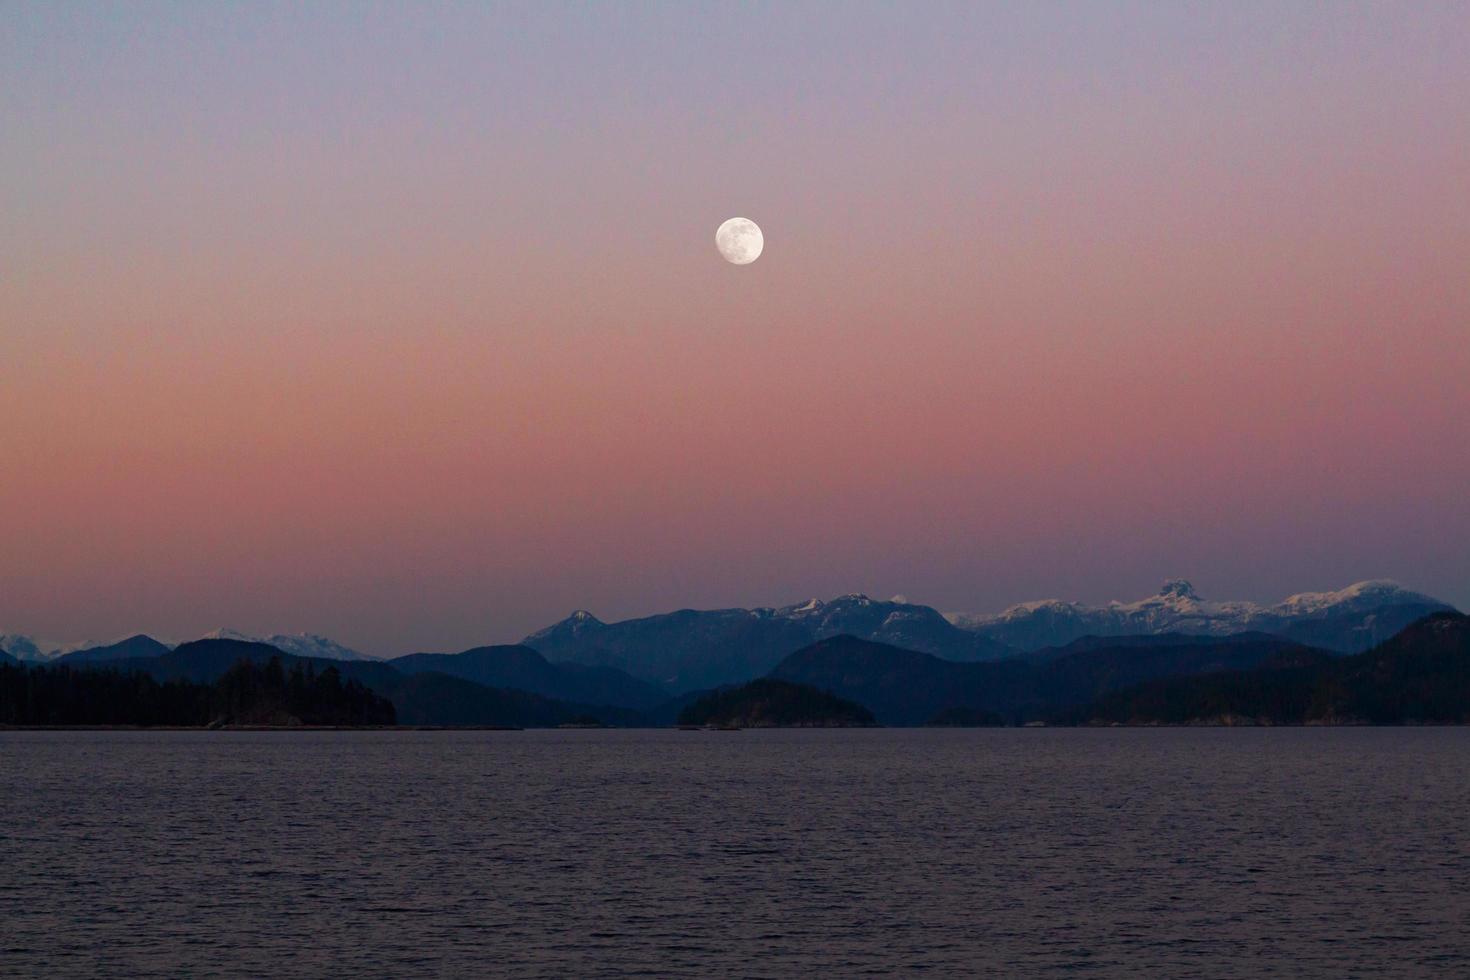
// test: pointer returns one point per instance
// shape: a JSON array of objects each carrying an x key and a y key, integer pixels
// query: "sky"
[{"x": 404, "y": 323}]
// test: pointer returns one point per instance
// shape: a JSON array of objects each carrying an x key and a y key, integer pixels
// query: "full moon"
[{"x": 740, "y": 241}]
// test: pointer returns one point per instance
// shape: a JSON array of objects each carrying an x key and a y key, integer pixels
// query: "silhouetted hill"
[
  {"x": 425, "y": 698},
  {"x": 769, "y": 703},
  {"x": 1354, "y": 632},
  {"x": 692, "y": 649},
  {"x": 1086, "y": 643},
  {"x": 522, "y": 668},
  {"x": 246, "y": 694},
  {"x": 965, "y": 718},
  {"x": 667, "y": 713},
  {"x": 431, "y": 698},
  {"x": 1420, "y": 675},
  {"x": 904, "y": 687},
  {"x": 203, "y": 661},
  {"x": 140, "y": 647}
]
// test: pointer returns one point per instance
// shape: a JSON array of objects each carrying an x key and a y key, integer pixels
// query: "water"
[{"x": 1178, "y": 853}]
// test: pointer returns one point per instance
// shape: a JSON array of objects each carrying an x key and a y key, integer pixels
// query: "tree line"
[{"x": 247, "y": 694}]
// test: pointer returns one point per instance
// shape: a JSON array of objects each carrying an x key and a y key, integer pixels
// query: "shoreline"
[
  {"x": 678, "y": 728},
  {"x": 261, "y": 728}
]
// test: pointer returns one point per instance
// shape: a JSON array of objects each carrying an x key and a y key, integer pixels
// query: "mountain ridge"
[
  {"x": 522, "y": 668},
  {"x": 1419, "y": 676},
  {"x": 425, "y": 698},
  {"x": 300, "y": 644},
  {"x": 906, "y": 687},
  {"x": 690, "y": 649},
  {"x": 1347, "y": 620}
]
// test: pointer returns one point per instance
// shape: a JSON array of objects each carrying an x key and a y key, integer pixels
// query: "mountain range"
[
  {"x": 133, "y": 648},
  {"x": 423, "y": 697},
  {"x": 1347, "y": 621},
  {"x": 300, "y": 644},
  {"x": 25, "y": 648},
  {"x": 522, "y": 668},
  {"x": 691, "y": 650},
  {"x": 905, "y": 687},
  {"x": 1421, "y": 675}
]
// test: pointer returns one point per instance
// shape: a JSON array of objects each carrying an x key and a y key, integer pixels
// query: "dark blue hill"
[
  {"x": 904, "y": 687},
  {"x": 134, "y": 647},
  {"x": 524, "y": 669},
  {"x": 425, "y": 698},
  {"x": 1421, "y": 675}
]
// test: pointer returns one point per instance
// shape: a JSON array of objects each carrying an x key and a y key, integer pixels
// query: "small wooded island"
[{"x": 769, "y": 703}]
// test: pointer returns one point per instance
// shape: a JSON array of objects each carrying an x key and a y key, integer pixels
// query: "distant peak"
[
  {"x": 1373, "y": 586},
  {"x": 1178, "y": 588},
  {"x": 578, "y": 621}
]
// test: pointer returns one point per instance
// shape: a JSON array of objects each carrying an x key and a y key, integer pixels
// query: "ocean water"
[{"x": 1178, "y": 853}]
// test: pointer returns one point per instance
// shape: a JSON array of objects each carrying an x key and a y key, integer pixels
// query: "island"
[{"x": 771, "y": 703}]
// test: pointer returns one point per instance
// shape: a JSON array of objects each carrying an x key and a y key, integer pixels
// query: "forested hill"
[
  {"x": 1422, "y": 675},
  {"x": 427, "y": 698},
  {"x": 770, "y": 703},
  {"x": 248, "y": 693}
]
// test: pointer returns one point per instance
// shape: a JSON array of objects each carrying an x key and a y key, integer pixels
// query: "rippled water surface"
[{"x": 599, "y": 853}]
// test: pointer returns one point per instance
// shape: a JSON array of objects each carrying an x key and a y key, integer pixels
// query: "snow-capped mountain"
[
  {"x": 21, "y": 647},
  {"x": 32, "y": 650},
  {"x": 300, "y": 644},
  {"x": 28, "y": 648},
  {"x": 895, "y": 621},
  {"x": 1348, "y": 620},
  {"x": 694, "y": 648},
  {"x": 577, "y": 627}
]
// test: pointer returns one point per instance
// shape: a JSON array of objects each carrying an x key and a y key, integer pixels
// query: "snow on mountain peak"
[
  {"x": 297, "y": 644},
  {"x": 1178, "y": 588},
  {"x": 580, "y": 621},
  {"x": 22, "y": 647},
  {"x": 1178, "y": 608},
  {"x": 1378, "y": 590}
]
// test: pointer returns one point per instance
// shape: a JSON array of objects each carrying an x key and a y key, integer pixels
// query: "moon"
[{"x": 740, "y": 241}]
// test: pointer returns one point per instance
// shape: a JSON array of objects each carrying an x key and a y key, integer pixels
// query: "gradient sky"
[{"x": 404, "y": 323}]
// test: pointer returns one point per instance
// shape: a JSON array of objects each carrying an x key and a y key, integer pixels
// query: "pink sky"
[{"x": 412, "y": 332}]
